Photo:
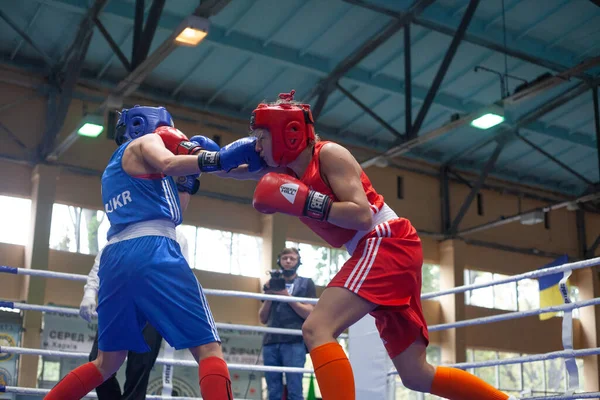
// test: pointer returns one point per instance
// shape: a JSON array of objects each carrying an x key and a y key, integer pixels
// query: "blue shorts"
[{"x": 147, "y": 280}]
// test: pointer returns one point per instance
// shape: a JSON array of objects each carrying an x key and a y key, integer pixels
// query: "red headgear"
[{"x": 291, "y": 126}]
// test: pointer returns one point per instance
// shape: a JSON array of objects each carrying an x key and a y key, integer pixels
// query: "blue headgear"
[{"x": 139, "y": 121}]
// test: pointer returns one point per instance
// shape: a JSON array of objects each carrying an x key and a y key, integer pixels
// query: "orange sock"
[
  {"x": 215, "y": 383},
  {"x": 77, "y": 383},
  {"x": 456, "y": 384},
  {"x": 333, "y": 372}
]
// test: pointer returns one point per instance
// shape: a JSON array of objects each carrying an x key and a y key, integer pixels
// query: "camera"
[{"x": 276, "y": 283}]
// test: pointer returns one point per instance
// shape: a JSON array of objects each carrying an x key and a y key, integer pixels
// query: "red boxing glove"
[
  {"x": 285, "y": 194},
  {"x": 176, "y": 142}
]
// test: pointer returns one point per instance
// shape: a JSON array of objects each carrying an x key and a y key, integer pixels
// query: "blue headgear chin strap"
[{"x": 139, "y": 121}]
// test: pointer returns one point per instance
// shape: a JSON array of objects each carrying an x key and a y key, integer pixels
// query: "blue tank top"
[{"x": 128, "y": 200}]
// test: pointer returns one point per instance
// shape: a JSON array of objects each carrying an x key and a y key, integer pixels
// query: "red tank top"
[{"x": 334, "y": 235}]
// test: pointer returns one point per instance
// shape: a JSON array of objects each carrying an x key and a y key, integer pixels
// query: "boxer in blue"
[{"x": 144, "y": 277}]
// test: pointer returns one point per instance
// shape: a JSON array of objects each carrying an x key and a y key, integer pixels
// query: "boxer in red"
[{"x": 323, "y": 185}]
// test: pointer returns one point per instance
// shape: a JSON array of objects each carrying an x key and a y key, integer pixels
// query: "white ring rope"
[
  {"x": 160, "y": 361},
  {"x": 210, "y": 292},
  {"x": 233, "y": 293},
  {"x": 217, "y": 292},
  {"x": 220, "y": 325},
  {"x": 513, "y": 315},
  {"x": 518, "y": 360},
  {"x": 264, "y": 368},
  {"x": 589, "y": 395},
  {"x": 34, "y": 391},
  {"x": 283, "y": 331},
  {"x": 527, "y": 275},
  {"x": 91, "y": 395},
  {"x": 531, "y": 358}
]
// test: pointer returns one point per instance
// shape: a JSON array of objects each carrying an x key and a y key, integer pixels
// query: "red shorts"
[{"x": 385, "y": 269}]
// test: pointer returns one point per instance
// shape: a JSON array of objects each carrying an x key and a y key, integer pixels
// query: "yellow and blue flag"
[{"x": 550, "y": 294}]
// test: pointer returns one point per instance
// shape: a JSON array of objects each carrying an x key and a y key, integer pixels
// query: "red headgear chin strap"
[{"x": 291, "y": 126}]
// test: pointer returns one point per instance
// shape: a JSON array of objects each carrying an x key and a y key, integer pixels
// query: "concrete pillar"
[
  {"x": 36, "y": 257},
  {"x": 453, "y": 306},
  {"x": 274, "y": 233}
]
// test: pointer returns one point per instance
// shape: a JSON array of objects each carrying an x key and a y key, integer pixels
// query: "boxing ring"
[{"x": 568, "y": 354}]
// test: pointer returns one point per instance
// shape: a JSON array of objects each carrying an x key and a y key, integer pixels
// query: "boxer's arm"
[
  {"x": 342, "y": 172},
  {"x": 241, "y": 173},
  {"x": 154, "y": 152},
  {"x": 93, "y": 282},
  {"x": 184, "y": 200}
]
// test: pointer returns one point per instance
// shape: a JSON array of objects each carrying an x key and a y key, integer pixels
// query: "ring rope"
[
  {"x": 518, "y": 360},
  {"x": 588, "y": 395},
  {"x": 515, "y": 314},
  {"x": 514, "y": 278},
  {"x": 433, "y": 328},
  {"x": 264, "y": 368},
  {"x": 220, "y": 325},
  {"x": 233, "y": 293},
  {"x": 35, "y": 391},
  {"x": 160, "y": 361},
  {"x": 91, "y": 395},
  {"x": 213, "y": 292}
]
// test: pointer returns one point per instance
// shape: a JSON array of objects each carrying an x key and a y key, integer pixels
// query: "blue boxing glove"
[
  {"x": 237, "y": 153},
  {"x": 206, "y": 143},
  {"x": 190, "y": 184}
]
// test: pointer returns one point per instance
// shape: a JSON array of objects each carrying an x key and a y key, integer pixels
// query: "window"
[
  {"x": 431, "y": 278},
  {"x": 48, "y": 371},
  {"x": 225, "y": 252},
  {"x": 81, "y": 230},
  {"x": 15, "y": 214},
  {"x": 318, "y": 262},
  {"x": 488, "y": 374},
  {"x": 509, "y": 376},
  {"x": 528, "y": 294},
  {"x": 514, "y": 296},
  {"x": 539, "y": 378},
  {"x": 483, "y": 297},
  {"x": 78, "y": 230}
]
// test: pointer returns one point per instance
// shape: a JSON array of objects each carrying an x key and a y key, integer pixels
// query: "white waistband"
[
  {"x": 156, "y": 227},
  {"x": 385, "y": 214}
]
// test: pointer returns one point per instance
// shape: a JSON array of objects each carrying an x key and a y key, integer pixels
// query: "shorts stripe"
[
  {"x": 360, "y": 261},
  {"x": 208, "y": 313},
  {"x": 360, "y": 266},
  {"x": 370, "y": 265},
  {"x": 363, "y": 266},
  {"x": 177, "y": 219},
  {"x": 172, "y": 205}
]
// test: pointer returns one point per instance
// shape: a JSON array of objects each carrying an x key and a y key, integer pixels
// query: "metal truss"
[
  {"x": 489, "y": 166},
  {"x": 47, "y": 59},
  {"x": 328, "y": 85},
  {"x": 65, "y": 76},
  {"x": 141, "y": 64},
  {"x": 597, "y": 122},
  {"x": 480, "y": 35},
  {"x": 439, "y": 77}
]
